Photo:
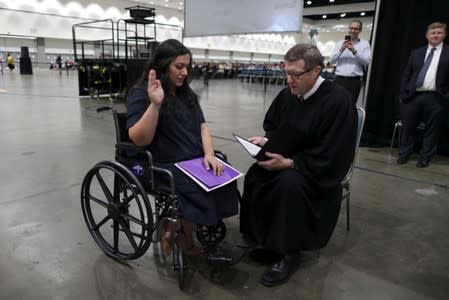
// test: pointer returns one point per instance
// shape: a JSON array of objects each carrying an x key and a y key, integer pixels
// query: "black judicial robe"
[{"x": 297, "y": 209}]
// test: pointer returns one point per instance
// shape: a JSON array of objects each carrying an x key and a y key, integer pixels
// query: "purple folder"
[{"x": 195, "y": 169}]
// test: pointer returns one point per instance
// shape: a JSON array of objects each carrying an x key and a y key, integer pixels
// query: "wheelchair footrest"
[{"x": 225, "y": 253}]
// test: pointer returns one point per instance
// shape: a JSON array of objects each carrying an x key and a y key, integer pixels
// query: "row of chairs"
[
  {"x": 271, "y": 76},
  {"x": 262, "y": 76}
]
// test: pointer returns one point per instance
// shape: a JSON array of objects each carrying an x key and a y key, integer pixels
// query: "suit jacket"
[{"x": 415, "y": 62}]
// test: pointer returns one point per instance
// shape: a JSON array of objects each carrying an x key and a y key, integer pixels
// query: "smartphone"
[{"x": 347, "y": 37}]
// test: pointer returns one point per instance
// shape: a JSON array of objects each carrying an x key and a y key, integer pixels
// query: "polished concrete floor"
[{"x": 397, "y": 248}]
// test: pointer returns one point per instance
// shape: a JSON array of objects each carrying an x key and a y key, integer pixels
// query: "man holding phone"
[{"x": 351, "y": 55}]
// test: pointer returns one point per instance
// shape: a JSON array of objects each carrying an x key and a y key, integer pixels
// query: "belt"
[{"x": 350, "y": 77}]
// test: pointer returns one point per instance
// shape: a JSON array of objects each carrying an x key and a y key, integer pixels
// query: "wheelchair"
[{"x": 115, "y": 201}]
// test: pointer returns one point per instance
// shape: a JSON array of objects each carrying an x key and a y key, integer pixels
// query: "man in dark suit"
[{"x": 424, "y": 95}]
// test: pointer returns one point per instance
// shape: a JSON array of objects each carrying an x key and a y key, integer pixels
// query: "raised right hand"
[{"x": 154, "y": 89}]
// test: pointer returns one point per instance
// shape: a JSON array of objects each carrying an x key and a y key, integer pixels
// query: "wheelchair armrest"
[
  {"x": 170, "y": 176},
  {"x": 129, "y": 146},
  {"x": 221, "y": 155}
]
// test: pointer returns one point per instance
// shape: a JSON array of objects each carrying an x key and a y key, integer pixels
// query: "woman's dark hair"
[{"x": 161, "y": 58}]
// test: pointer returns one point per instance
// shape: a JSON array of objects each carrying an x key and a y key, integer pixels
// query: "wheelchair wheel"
[
  {"x": 116, "y": 210},
  {"x": 178, "y": 264},
  {"x": 211, "y": 235}
]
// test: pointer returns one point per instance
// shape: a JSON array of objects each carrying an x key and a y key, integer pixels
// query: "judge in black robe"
[{"x": 291, "y": 202}]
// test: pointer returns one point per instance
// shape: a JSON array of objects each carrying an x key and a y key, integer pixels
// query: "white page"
[{"x": 252, "y": 149}]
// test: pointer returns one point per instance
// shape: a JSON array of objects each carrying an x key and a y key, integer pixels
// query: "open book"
[
  {"x": 251, "y": 148},
  {"x": 194, "y": 168},
  {"x": 280, "y": 143}
]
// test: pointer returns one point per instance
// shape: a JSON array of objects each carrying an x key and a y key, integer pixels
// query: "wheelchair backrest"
[
  {"x": 131, "y": 156},
  {"x": 121, "y": 134}
]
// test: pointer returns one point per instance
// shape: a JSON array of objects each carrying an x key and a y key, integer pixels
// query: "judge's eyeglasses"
[{"x": 297, "y": 75}]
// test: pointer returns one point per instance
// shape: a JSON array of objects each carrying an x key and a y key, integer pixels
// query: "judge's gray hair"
[{"x": 309, "y": 53}]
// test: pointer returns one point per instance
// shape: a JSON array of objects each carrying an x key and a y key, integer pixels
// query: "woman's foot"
[
  {"x": 188, "y": 247},
  {"x": 166, "y": 243},
  {"x": 192, "y": 251}
]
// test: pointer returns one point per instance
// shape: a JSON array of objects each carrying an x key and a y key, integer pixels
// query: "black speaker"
[
  {"x": 26, "y": 66},
  {"x": 24, "y": 52},
  {"x": 139, "y": 12}
]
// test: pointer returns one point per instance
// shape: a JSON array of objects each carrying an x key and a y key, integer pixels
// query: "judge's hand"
[
  {"x": 276, "y": 162},
  {"x": 154, "y": 89},
  {"x": 258, "y": 140},
  {"x": 211, "y": 162}
]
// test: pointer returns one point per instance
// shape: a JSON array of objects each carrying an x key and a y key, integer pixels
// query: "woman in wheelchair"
[{"x": 165, "y": 117}]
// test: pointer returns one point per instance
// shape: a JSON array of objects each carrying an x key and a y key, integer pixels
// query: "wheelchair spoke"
[
  {"x": 128, "y": 233},
  {"x": 116, "y": 235},
  {"x": 101, "y": 223},
  {"x": 138, "y": 235},
  {"x": 132, "y": 218},
  {"x": 98, "y": 201},
  {"x": 127, "y": 200},
  {"x": 104, "y": 187}
]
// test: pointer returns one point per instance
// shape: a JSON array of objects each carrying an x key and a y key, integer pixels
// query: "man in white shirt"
[
  {"x": 424, "y": 95},
  {"x": 351, "y": 55}
]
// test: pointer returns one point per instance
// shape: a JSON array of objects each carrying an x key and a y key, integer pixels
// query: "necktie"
[{"x": 425, "y": 67}]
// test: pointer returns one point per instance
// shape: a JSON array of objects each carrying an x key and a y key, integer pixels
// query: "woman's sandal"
[
  {"x": 192, "y": 251},
  {"x": 166, "y": 243}
]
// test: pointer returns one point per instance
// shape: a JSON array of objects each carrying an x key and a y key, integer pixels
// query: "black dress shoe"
[
  {"x": 403, "y": 159},
  {"x": 423, "y": 163},
  {"x": 280, "y": 271}
]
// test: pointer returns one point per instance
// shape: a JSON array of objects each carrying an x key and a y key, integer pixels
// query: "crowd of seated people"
[
  {"x": 249, "y": 72},
  {"x": 213, "y": 70},
  {"x": 225, "y": 70}
]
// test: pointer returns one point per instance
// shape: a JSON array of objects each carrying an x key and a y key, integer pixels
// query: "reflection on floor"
[{"x": 397, "y": 247}]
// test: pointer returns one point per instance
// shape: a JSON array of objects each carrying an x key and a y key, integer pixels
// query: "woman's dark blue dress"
[{"x": 178, "y": 138}]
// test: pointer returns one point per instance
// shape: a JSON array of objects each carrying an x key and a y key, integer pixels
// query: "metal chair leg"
[
  {"x": 392, "y": 139},
  {"x": 397, "y": 128},
  {"x": 348, "y": 216}
]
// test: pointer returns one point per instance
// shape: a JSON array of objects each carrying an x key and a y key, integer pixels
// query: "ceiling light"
[
  {"x": 309, "y": 2},
  {"x": 324, "y": 16},
  {"x": 362, "y": 13},
  {"x": 343, "y": 15},
  {"x": 331, "y": 0}
]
